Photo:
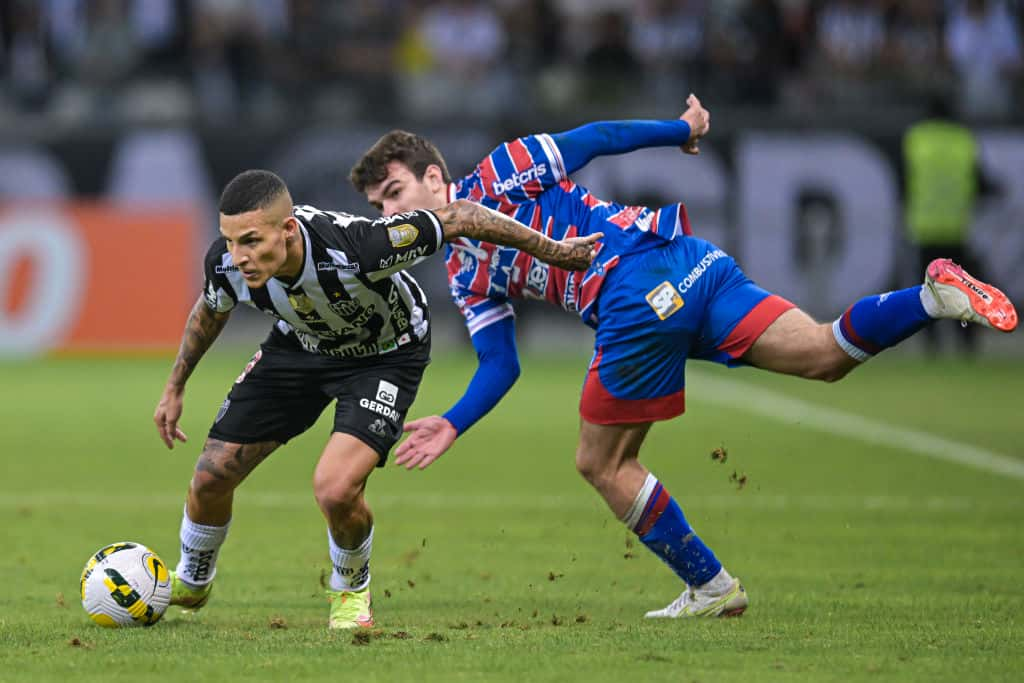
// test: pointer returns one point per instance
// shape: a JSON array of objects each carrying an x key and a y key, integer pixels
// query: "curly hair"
[{"x": 410, "y": 149}]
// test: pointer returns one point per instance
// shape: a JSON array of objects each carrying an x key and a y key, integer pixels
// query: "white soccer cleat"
[
  {"x": 961, "y": 297},
  {"x": 696, "y": 603}
]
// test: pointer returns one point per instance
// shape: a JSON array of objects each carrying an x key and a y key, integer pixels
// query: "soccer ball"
[{"x": 125, "y": 584}]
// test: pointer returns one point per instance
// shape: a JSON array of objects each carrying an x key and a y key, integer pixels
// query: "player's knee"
[
  {"x": 336, "y": 498},
  {"x": 207, "y": 486},
  {"x": 593, "y": 469},
  {"x": 833, "y": 366}
]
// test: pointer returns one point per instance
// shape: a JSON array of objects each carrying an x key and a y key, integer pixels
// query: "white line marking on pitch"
[{"x": 776, "y": 406}]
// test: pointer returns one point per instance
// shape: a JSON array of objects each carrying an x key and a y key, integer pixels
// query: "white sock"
[
  {"x": 351, "y": 567},
  {"x": 200, "y": 545},
  {"x": 931, "y": 306},
  {"x": 636, "y": 510},
  {"x": 721, "y": 583}
]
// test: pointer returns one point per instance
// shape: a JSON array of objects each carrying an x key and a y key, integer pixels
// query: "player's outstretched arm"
[
  {"x": 577, "y": 147},
  {"x": 498, "y": 369},
  {"x": 463, "y": 218},
  {"x": 203, "y": 326}
]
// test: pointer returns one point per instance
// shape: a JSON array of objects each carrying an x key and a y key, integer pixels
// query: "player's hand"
[
  {"x": 429, "y": 438},
  {"x": 700, "y": 123},
  {"x": 168, "y": 412},
  {"x": 576, "y": 253}
]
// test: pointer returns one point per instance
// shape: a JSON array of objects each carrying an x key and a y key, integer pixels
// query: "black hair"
[{"x": 251, "y": 190}]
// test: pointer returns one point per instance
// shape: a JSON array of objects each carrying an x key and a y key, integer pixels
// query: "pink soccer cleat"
[{"x": 960, "y": 297}]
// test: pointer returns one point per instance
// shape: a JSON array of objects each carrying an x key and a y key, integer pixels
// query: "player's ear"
[
  {"x": 291, "y": 227},
  {"x": 433, "y": 177}
]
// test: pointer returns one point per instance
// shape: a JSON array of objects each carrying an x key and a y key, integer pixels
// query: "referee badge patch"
[
  {"x": 664, "y": 300},
  {"x": 402, "y": 235}
]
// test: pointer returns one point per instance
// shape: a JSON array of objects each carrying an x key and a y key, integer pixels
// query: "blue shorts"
[{"x": 688, "y": 299}]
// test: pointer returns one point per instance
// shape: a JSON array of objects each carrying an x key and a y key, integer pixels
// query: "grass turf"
[{"x": 863, "y": 562}]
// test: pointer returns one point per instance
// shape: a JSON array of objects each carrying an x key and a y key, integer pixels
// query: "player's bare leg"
[
  {"x": 339, "y": 483},
  {"x": 797, "y": 345},
  {"x": 607, "y": 457},
  {"x": 221, "y": 467}
]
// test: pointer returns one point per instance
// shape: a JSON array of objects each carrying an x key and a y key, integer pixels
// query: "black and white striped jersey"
[{"x": 352, "y": 299}]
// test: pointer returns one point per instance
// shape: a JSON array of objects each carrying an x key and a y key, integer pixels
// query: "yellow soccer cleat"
[
  {"x": 696, "y": 603},
  {"x": 188, "y": 598},
  {"x": 350, "y": 609}
]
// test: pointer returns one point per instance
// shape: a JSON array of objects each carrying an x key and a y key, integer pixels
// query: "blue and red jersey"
[{"x": 528, "y": 179}]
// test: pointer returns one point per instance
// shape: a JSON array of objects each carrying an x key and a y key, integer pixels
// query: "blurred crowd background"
[
  {"x": 222, "y": 62},
  {"x": 121, "y": 120}
]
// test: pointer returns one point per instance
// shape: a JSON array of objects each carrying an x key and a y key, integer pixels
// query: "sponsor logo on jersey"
[
  {"x": 396, "y": 217},
  {"x": 402, "y": 235},
  {"x": 379, "y": 408},
  {"x": 519, "y": 179},
  {"x": 221, "y": 270},
  {"x": 347, "y": 308},
  {"x": 664, "y": 300},
  {"x": 691, "y": 278},
  {"x": 396, "y": 259},
  {"x": 387, "y": 393},
  {"x": 537, "y": 279},
  {"x": 327, "y": 266}
]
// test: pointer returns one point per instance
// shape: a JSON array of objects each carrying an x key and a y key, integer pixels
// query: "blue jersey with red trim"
[{"x": 527, "y": 180}]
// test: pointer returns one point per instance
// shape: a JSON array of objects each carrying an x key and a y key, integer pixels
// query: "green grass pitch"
[{"x": 868, "y": 555}]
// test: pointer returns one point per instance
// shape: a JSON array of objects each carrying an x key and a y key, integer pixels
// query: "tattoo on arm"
[
  {"x": 202, "y": 328},
  {"x": 463, "y": 218}
]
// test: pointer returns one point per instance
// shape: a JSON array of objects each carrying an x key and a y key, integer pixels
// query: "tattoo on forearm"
[
  {"x": 463, "y": 218},
  {"x": 233, "y": 462},
  {"x": 201, "y": 330}
]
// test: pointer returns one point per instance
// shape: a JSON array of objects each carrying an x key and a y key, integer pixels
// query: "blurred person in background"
[
  {"x": 984, "y": 45},
  {"x": 655, "y": 295},
  {"x": 850, "y": 37},
  {"x": 27, "y": 59},
  {"x": 454, "y": 52}
]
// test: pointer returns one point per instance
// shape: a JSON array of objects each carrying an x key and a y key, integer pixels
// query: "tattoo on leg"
[{"x": 228, "y": 461}]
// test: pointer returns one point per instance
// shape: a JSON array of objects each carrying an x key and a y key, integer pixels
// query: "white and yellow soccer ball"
[{"x": 125, "y": 584}]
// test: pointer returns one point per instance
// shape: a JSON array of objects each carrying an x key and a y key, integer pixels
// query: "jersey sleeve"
[
  {"x": 478, "y": 310},
  {"x": 218, "y": 293},
  {"x": 520, "y": 170},
  {"x": 387, "y": 245},
  {"x": 497, "y": 370}
]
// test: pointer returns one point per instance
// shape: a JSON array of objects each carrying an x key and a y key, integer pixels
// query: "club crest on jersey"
[
  {"x": 402, "y": 235},
  {"x": 664, "y": 300},
  {"x": 301, "y": 303}
]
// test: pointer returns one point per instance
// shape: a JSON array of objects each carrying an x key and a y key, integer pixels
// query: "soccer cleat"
[
  {"x": 695, "y": 603},
  {"x": 961, "y": 297},
  {"x": 188, "y": 598},
  {"x": 350, "y": 609}
]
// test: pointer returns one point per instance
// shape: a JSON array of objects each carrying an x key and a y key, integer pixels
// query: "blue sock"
[
  {"x": 877, "y": 322},
  {"x": 659, "y": 522}
]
